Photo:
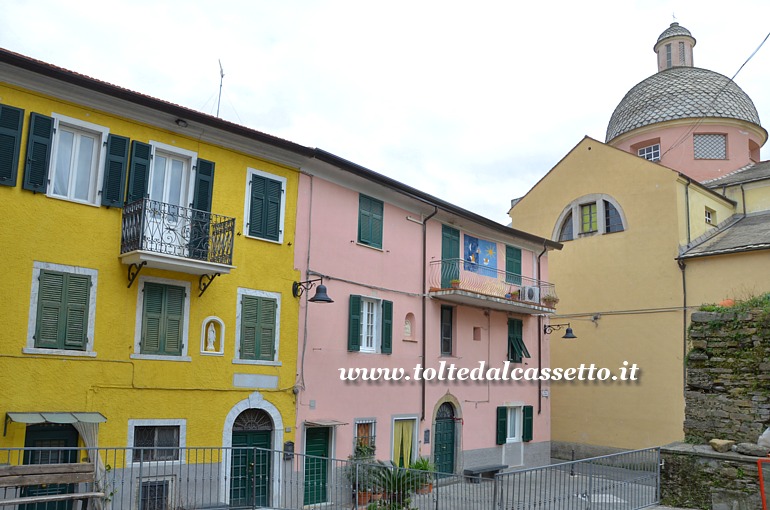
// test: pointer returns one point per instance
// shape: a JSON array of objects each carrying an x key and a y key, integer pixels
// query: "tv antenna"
[{"x": 221, "y": 77}]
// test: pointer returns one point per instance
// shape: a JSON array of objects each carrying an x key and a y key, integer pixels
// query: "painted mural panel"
[{"x": 480, "y": 256}]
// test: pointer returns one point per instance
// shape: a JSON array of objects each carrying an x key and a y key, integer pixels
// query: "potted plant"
[
  {"x": 359, "y": 472},
  {"x": 550, "y": 300},
  {"x": 396, "y": 484},
  {"x": 425, "y": 472},
  {"x": 454, "y": 283}
]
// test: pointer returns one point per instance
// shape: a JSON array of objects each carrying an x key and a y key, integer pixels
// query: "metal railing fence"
[{"x": 248, "y": 477}]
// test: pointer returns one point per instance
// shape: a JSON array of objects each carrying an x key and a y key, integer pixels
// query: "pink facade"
[{"x": 455, "y": 423}]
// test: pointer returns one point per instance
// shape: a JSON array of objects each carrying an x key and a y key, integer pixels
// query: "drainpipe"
[
  {"x": 687, "y": 207},
  {"x": 743, "y": 199},
  {"x": 424, "y": 300},
  {"x": 682, "y": 267},
  {"x": 539, "y": 341}
]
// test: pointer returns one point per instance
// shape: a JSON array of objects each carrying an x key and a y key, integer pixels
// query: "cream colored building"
[{"x": 670, "y": 212}]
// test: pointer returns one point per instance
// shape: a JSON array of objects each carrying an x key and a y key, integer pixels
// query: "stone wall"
[
  {"x": 728, "y": 376},
  {"x": 695, "y": 476}
]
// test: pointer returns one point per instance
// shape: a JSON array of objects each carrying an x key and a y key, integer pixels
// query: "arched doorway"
[
  {"x": 444, "y": 438},
  {"x": 251, "y": 466}
]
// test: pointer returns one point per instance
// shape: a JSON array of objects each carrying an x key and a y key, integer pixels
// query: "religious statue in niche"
[
  {"x": 211, "y": 337},
  {"x": 407, "y": 328}
]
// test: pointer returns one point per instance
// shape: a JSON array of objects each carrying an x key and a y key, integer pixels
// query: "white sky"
[{"x": 472, "y": 102}]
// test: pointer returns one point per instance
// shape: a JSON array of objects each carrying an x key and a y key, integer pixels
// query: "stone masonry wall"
[{"x": 728, "y": 376}]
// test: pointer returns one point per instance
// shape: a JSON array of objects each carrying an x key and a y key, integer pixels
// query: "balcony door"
[
  {"x": 450, "y": 255},
  {"x": 167, "y": 225}
]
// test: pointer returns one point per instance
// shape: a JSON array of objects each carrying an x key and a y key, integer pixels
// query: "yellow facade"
[{"x": 204, "y": 390}]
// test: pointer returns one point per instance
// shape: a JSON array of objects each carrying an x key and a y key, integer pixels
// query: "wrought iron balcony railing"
[
  {"x": 459, "y": 274},
  {"x": 168, "y": 229}
]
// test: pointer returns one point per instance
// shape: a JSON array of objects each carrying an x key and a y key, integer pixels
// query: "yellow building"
[
  {"x": 148, "y": 255},
  {"x": 669, "y": 213}
]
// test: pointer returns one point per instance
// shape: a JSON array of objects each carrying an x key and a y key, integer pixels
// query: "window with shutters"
[
  {"x": 62, "y": 310},
  {"x": 156, "y": 440},
  {"x": 11, "y": 123},
  {"x": 163, "y": 309},
  {"x": 265, "y": 206},
  {"x": 514, "y": 423},
  {"x": 370, "y": 214},
  {"x": 517, "y": 350},
  {"x": 370, "y": 325},
  {"x": 258, "y": 323}
]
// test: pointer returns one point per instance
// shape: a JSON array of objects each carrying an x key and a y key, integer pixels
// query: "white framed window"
[
  {"x": 651, "y": 152},
  {"x": 265, "y": 207},
  {"x": 62, "y": 310},
  {"x": 156, "y": 441},
  {"x": 710, "y": 216},
  {"x": 77, "y": 160},
  {"x": 257, "y": 327},
  {"x": 594, "y": 214},
  {"x": 162, "y": 319},
  {"x": 370, "y": 325},
  {"x": 370, "y": 338},
  {"x": 170, "y": 179},
  {"x": 514, "y": 424}
]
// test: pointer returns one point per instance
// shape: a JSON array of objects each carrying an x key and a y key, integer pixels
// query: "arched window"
[
  {"x": 565, "y": 234},
  {"x": 594, "y": 214}
]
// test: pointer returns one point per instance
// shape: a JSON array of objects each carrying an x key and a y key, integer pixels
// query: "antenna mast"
[{"x": 221, "y": 77}]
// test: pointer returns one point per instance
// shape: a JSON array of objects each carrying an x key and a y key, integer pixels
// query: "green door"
[
  {"x": 317, "y": 441},
  {"x": 250, "y": 472},
  {"x": 450, "y": 255},
  {"x": 444, "y": 438},
  {"x": 54, "y": 436}
]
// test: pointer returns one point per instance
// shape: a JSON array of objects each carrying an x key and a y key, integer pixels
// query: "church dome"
[
  {"x": 680, "y": 93},
  {"x": 675, "y": 30}
]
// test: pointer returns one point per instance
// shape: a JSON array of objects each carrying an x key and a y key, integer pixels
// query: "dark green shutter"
[
  {"x": 249, "y": 327},
  {"x": 62, "y": 312},
  {"x": 39, "y": 147},
  {"x": 139, "y": 172},
  {"x": 11, "y": 121},
  {"x": 527, "y": 426},
  {"x": 204, "y": 185},
  {"x": 387, "y": 327},
  {"x": 450, "y": 255},
  {"x": 152, "y": 318},
  {"x": 516, "y": 348},
  {"x": 513, "y": 265},
  {"x": 174, "y": 323},
  {"x": 265, "y": 211},
  {"x": 114, "y": 182},
  {"x": 267, "y": 329},
  {"x": 370, "y": 215},
  {"x": 502, "y": 425},
  {"x": 354, "y": 324}
]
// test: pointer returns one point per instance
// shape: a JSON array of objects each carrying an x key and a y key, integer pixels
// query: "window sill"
[
  {"x": 160, "y": 357},
  {"x": 279, "y": 241},
  {"x": 58, "y": 352},
  {"x": 375, "y": 248},
  {"x": 257, "y": 362},
  {"x": 81, "y": 202}
]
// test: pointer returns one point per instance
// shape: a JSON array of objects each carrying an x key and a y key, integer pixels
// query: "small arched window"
[
  {"x": 565, "y": 234},
  {"x": 595, "y": 214}
]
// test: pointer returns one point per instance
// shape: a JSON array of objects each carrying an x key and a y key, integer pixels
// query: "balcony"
[
  {"x": 174, "y": 238},
  {"x": 466, "y": 283}
]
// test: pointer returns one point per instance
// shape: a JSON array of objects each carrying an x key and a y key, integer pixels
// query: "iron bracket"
[
  {"x": 205, "y": 285},
  {"x": 133, "y": 272}
]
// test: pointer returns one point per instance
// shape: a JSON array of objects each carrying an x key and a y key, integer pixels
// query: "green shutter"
[
  {"x": 354, "y": 324},
  {"x": 204, "y": 185},
  {"x": 249, "y": 327},
  {"x": 502, "y": 425},
  {"x": 76, "y": 324},
  {"x": 267, "y": 309},
  {"x": 513, "y": 265},
  {"x": 50, "y": 308},
  {"x": 173, "y": 340},
  {"x": 527, "y": 426},
  {"x": 11, "y": 122},
  {"x": 139, "y": 171},
  {"x": 38, "y": 153},
  {"x": 114, "y": 182},
  {"x": 516, "y": 348},
  {"x": 387, "y": 327},
  {"x": 62, "y": 311},
  {"x": 370, "y": 215},
  {"x": 450, "y": 255},
  {"x": 152, "y": 318},
  {"x": 265, "y": 211}
]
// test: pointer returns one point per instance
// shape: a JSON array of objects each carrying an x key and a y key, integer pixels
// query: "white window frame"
[
  {"x": 375, "y": 324},
  {"x": 263, "y": 294},
  {"x": 191, "y": 159},
  {"x": 132, "y": 424},
  {"x": 33, "y": 306},
  {"x": 101, "y": 132},
  {"x": 650, "y": 152},
  {"x": 247, "y": 204},
  {"x": 140, "y": 313},
  {"x": 577, "y": 218},
  {"x": 514, "y": 423}
]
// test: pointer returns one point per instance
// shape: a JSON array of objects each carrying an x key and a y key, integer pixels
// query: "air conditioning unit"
[{"x": 531, "y": 294}]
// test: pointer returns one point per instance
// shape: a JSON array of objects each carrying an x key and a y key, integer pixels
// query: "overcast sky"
[{"x": 472, "y": 102}]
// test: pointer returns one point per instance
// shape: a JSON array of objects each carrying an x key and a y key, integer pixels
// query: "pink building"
[{"x": 429, "y": 291}]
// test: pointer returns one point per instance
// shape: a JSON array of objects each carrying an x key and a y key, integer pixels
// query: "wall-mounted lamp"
[
  {"x": 550, "y": 328},
  {"x": 298, "y": 288},
  {"x": 181, "y": 123}
]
